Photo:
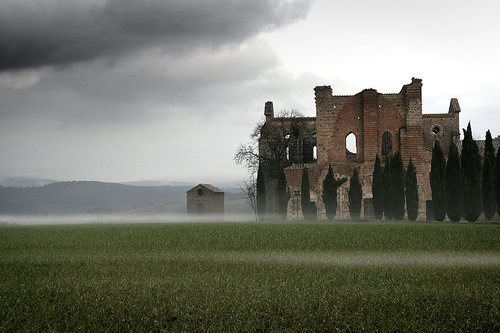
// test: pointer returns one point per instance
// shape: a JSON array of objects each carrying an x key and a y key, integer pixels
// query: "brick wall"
[{"x": 369, "y": 115}]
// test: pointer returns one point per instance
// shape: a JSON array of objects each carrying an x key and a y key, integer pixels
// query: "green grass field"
[{"x": 251, "y": 277}]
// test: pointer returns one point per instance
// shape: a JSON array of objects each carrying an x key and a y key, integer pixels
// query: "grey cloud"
[
  {"x": 61, "y": 32},
  {"x": 136, "y": 88},
  {"x": 139, "y": 86}
]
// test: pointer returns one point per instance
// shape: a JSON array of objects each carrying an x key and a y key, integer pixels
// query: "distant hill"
[
  {"x": 85, "y": 197},
  {"x": 157, "y": 183},
  {"x": 26, "y": 182}
]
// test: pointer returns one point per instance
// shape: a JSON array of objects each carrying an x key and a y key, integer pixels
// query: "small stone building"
[{"x": 205, "y": 201}]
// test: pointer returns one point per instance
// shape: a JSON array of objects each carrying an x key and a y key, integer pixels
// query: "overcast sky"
[{"x": 125, "y": 90}]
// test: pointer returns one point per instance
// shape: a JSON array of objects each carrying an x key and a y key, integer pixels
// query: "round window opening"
[
  {"x": 436, "y": 129},
  {"x": 200, "y": 192}
]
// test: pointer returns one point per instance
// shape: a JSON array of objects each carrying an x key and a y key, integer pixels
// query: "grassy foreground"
[{"x": 250, "y": 277}]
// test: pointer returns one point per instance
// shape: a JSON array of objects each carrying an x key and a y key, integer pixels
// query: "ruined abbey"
[{"x": 348, "y": 132}]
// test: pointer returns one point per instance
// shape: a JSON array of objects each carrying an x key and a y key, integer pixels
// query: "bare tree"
[
  {"x": 249, "y": 188},
  {"x": 268, "y": 146},
  {"x": 274, "y": 139}
]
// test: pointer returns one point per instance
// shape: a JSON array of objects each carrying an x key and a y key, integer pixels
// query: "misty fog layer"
[{"x": 10, "y": 220}]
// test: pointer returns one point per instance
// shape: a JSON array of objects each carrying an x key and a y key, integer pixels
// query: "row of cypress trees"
[
  {"x": 393, "y": 187},
  {"x": 466, "y": 185}
]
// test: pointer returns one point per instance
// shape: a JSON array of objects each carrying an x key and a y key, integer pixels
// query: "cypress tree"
[
  {"x": 377, "y": 190},
  {"x": 488, "y": 189},
  {"x": 453, "y": 184},
  {"x": 437, "y": 180},
  {"x": 489, "y": 150},
  {"x": 398, "y": 186},
  {"x": 411, "y": 192},
  {"x": 282, "y": 195},
  {"x": 355, "y": 196},
  {"x": 305, "y": 198},
  {"x": 261, "y": 194},
  {"x": 470, "y": 162},
  {"x": 330, "y": 186},
  {"x": 496, "y": 178},
  {"x": 387, "y": 190},
  {"x": 487, "y": 183}
]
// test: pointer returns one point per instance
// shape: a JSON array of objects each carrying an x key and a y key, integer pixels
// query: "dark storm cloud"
[{"x": 60, "y": 32}]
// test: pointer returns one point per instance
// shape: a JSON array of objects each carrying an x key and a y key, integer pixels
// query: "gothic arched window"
[
  {"x": 350, "y": 145},
  {"x": 386, "y": 144}
]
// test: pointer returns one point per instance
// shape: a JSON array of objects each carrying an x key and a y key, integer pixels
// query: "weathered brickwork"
[{"x": 382, "y": 124}]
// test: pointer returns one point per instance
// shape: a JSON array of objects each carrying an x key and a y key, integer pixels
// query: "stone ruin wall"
[
  {"x": 301, "y": 145},
  {"x": 369, "y": 115}
]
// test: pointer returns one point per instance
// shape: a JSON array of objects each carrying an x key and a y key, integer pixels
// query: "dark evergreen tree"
[
  {"x": 489, "y": 150},
  {"x": 496, "y": 178},
  {"x": 453, "y": 184},
  {"x": 305, "y": 198},
  {"x": 470, "y": 161},
  {"x": 355, "y": 196},
  {"x": 488, "y": 182},
  {"x": 387, "y": 189},
  {"x": 437, "y": 180},
  {"x": 377, "y": 190},
  {"x": 398, "y": 186},
  {"x": 283, "y": 195},
  {"x": 488, "y": 188},
  {"x": 261, "y": 195},
  {"x": 330, "y": 186},
  {"x": 411, "y": 192}
]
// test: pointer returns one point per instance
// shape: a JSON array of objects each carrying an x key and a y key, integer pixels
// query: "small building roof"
[{"x": 209, "y": 187}]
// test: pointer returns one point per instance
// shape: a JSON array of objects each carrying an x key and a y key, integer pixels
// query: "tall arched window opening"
[
  {"x": 386, "y": 144},
  {"x": 350, "y": 145}
]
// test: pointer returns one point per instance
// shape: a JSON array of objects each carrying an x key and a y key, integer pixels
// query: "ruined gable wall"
[
  {"x": 446, "y": 125},
  {"x": 368, "y": 115},
  {"x": 348, "y": 120}
]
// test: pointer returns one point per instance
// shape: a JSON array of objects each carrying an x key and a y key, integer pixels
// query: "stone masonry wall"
[
  {"x": 204, "y": 202},
  {"x": 368, "y": 115}
]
